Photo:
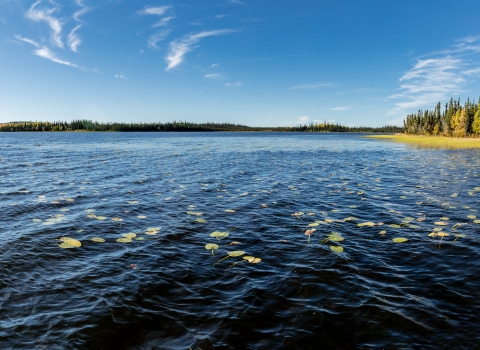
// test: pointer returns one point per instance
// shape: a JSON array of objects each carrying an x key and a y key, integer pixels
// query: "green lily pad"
[
  {"x": 124, "y": 240},
  {"x": 471, "y": 217},
  {"x": 219, "y": 235},
  {"x": 130, "y": 235},
  {"x": 394, "y": 226},
  {"x": 139, "y": 238},
  {"x": 399, "y": 240},
  {"x": 201, "y": 221},
  {"x": 70, "y": 242},
  {"x": 97, "y": 239},
  {"x": 236, "y": 253},
  {"x": 211, "y": 246},
  {"x": 336, "y": 249}
]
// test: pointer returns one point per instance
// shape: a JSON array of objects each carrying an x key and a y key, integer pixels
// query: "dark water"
[{"x": 422, "y": 293}]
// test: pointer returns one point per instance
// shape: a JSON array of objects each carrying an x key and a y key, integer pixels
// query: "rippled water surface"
[{"x": 163, "y": 292}]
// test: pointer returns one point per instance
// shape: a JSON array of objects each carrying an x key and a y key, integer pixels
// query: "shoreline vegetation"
[
  {"x": 90, "y": 126},
  {"x": 431, "y": 141}
]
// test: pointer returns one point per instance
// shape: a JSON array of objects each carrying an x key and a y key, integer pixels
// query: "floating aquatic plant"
[
  {"x": 336, "y": 248},
  {"x": 219, "y": 235},
  {"x": 334, "y": 237},
  {"x": 152, "y": 230},
  {"x": 201, "y": 221},
  {"x": 98, "y": 239},
  {"x": 399, "y": 240},
  {"x": 69, "y": 243},
  {"x": 124, "y": 240},
  {"x": 212, "y": 247},
  {"x": 130, "y": 235},
  {"x": 229, "y": 211},
  {"x": 231, "y": 255}
]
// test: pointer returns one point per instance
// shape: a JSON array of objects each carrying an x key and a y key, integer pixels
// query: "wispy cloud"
[
  {"x": 84, "y": 9},
  {"x": 342, "y": 108},
  {"x": 438, "y": 76},
  {"x": 55, "y": 24},
  {"x": 121, "y": 76},
  {"x": 45, "y": 52},
  {"x": 26, "y": 40},
  {"x": 49, "y": 55},
  {"x": 179, "y": 47},
  {"x": 215, "y": 76},
  {"x": 237, "y": 2},
  {"x": 359, "y": 90},
  {"x": 236, "y": 84},
  {"x": 163, "y": 22},
  {"x": 155, "y": 38},
  {"x": 158, "y": 11},
  {"x": 73, "y": 40},
  {"x": 303, "y": 119},
  {"x": 311, "y": 86}
]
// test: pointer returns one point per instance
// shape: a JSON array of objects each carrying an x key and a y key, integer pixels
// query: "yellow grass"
[{"x": 431, "y": 141}]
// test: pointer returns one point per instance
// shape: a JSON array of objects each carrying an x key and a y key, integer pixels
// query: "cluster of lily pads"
[{"x": 236, "y": 253}]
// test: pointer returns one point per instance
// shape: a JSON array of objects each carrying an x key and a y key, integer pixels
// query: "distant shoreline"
[{"x": 90, "y": 126}]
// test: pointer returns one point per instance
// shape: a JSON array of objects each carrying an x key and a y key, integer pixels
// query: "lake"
[{"x": 164, "y": 194}]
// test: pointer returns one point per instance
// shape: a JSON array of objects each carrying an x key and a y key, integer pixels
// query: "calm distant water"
[{"x": 163, "y": 292}]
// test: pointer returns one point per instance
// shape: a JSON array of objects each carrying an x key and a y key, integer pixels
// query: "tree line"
[
  {"x": 456, "y": 120},
  {"x": 88, "y": 125}
]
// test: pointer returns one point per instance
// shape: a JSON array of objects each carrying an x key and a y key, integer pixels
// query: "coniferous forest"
[
  {"x": 88, "y": 125},
  {"x": 454, "y": 120}
]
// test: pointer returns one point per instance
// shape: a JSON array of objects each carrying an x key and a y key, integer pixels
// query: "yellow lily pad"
[
  {"x": 98, "y": 239},
  {"x": 399, "y": 240},
  {"x": 124, "y": 240},
  {"x": 71, "y": 241},
  {"x": 336, "y": 249}
]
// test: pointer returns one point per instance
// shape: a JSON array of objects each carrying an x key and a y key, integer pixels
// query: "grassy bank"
[{"x": 432, "y": 141}]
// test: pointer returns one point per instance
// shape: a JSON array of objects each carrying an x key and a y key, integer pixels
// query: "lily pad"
[
  {"x": 441, "y": 223},
  {"x": 399, "y": 240},
  {"x": 124, "y": 240},
  {"x": 37, "y": 220},
  {"x": 236, "y": 253},
  {"x": 471, "y": 217},
  {"x": 211, "y": 246},
  {"x": 229, "y": 211},
  {"x": 130, "y": 235},
  {"x": 336, "y": 249},
  {"x": 202, "y": 221},
  {"x": 219, "y": 235},
  {"x": 70, "y": 241},
  {"x": 442, "y": 234},
  {"x": 98, "y": 239}
]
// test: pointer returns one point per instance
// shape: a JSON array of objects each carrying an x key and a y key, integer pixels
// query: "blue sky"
[{"x": 259, "y": 63}]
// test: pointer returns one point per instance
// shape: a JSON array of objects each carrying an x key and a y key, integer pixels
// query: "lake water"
[{"x": 163, "y": 292}]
